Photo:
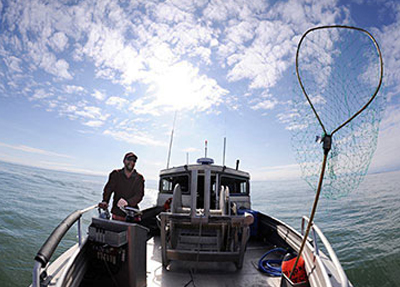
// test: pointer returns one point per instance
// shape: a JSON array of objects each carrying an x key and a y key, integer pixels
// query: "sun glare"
[{"x": 181, "y": 87}]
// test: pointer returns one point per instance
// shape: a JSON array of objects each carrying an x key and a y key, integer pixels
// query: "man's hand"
[
  {"x": 103, "y": 205},
  {"x": 122, "y": 203}
]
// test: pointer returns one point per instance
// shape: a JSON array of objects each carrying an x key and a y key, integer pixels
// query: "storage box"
[{"x": 112, "y": 238}]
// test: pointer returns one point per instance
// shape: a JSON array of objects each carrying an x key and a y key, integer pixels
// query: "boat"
[{"x": 202, "y": 231}]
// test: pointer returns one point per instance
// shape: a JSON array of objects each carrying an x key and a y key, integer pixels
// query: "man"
[{"x": 127, "y": 185}]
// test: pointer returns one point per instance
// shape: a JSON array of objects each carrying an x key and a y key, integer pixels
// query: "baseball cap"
[{"x": 130, "y": 156}]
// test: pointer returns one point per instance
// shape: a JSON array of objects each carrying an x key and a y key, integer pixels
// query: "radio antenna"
[
  {"x": 170, "y": 142},
  {"x": 223, "y": 153}
]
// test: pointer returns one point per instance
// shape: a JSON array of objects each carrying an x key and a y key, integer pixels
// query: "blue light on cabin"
[{"x": 205, "y": 160}]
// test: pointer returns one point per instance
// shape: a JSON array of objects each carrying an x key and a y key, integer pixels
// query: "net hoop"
[{"x": 305, "y": 92}]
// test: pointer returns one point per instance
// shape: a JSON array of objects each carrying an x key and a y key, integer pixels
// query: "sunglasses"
[{"x": 131, "y": 158}]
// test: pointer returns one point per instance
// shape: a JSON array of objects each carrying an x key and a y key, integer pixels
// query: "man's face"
[{"x": 129, "y": 163}]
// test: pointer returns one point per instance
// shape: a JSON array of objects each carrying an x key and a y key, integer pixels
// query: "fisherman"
[{"x": 127, "y": 185}]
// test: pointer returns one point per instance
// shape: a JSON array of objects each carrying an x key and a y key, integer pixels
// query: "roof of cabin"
[{"x": 199, "y": 167}]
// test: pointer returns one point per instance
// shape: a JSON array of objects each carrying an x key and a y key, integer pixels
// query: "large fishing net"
[
  {"x": 339, "y": 70},
  {"x": 340, "y": 73}
]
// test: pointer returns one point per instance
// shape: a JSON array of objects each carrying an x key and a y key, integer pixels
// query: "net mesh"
[{"x": 340, "y": 72}]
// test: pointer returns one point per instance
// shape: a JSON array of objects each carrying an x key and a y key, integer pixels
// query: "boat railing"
[
  {"x": 44, "y": 254},
  {"x": 344, "y": 282}
]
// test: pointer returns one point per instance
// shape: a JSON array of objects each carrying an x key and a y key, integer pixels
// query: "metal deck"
[{"x": 207, "y": 274}]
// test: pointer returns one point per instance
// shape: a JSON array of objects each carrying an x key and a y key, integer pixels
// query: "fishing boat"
[{"x": 202, "y": 231}]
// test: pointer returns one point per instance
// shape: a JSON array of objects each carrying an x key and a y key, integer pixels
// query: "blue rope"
[{"x": 265, "y": 265}]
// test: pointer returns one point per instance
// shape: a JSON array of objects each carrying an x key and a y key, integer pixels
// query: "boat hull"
[{"x": 78, "y": 266}]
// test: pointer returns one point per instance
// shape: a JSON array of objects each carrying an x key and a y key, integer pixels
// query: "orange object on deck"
[{"x": 299, "y": 273}]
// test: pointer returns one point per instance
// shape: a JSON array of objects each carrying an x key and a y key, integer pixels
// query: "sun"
[{"x": 180, "y": 86}]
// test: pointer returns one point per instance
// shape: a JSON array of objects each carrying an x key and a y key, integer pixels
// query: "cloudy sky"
[{"x": 83, "y": 82}]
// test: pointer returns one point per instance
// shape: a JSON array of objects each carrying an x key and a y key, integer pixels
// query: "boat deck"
[
  {"x": 89, "y": 264},
  {"x": 210, "y": 274}
]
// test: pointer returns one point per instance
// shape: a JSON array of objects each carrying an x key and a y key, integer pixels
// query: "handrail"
[
  {"x": 46, "y": 251},
  {"x": 344, "y": 282}
]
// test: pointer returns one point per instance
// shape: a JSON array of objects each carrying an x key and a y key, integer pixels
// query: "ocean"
[{"x": 363, "y": 227}]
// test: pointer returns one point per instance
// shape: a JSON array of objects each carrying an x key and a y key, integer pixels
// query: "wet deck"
[{"x": 207, "y": 274}]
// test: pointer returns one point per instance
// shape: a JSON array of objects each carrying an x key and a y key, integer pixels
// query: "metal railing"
[
  {"x": 44, "y": 254},
  {"x": 344, "y": 282}
]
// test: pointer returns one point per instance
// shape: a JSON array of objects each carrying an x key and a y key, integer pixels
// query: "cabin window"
[
  {"x": 243, "y": 187},
  {"x": 168, "y": 183},
  {"x": 237, "y": 186}
]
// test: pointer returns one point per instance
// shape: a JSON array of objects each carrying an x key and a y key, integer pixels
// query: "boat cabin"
[{"x": 204, "y": 181}]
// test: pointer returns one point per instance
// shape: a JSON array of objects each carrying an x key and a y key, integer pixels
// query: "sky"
[{"x": 84, "y": 82}]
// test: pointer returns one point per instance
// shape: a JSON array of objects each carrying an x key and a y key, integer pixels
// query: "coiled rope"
[{"x": 269, "y": 266}]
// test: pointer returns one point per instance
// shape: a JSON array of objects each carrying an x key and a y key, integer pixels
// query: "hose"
[{"x": 266, "y": 265}]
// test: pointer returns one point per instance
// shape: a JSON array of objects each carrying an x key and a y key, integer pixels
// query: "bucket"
[
  {"x": 286, "y": 282},
  {"x": 299, "y": 274}
]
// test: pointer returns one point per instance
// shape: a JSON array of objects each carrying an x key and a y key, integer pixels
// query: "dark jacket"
[{"x": 131, "y": 189}]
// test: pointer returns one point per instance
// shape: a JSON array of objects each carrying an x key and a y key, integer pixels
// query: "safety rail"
[
  {"x": 344, "y": 282},
  {"x": 44, "y": 254}
]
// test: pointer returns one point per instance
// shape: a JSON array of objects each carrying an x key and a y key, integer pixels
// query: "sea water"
[{"x": 363, "y": 228}]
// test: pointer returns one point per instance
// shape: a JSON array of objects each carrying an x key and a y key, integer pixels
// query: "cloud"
[
  {"x": 36, "y": 23},
  {"x": 58, "y": 41},
  {"x": 387, "y": 152},
  {"x": 91, "y": 112},
  {"x": 88, "y": 115},
  {"x": 49, "y": 62},
  {"x": 221, "y": 10},
  {"x": 266, "y": 59},
  {"x": 29, "y": 149},
  {"x": 389, "y": 41},
  {"x": 98, "y": 95},
  {"x": 41, "y": 94},
  {"x": 94, "y": 123},
  {"x": 296, "y": 116},
  {"x": 134, "y": 137},
  {"x": 265, "y": 105},
  {"x": 118, "y": 102},
  {"x": 73, "y": 89},
  {"x": 13, "y": 63},
  {"x": 273, "y": 40}
]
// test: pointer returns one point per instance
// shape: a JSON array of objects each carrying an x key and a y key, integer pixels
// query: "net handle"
[
  {"x": 304, "y": 90},
  {"x": 314, "y": 209}
]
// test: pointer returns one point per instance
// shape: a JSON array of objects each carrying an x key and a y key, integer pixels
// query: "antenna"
[
  {"x": 187, "y": 158},
  {"x": 223, "y": 153},
  {"x": 170, "y": 142},
  {"x": 205, "y": 153}
]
